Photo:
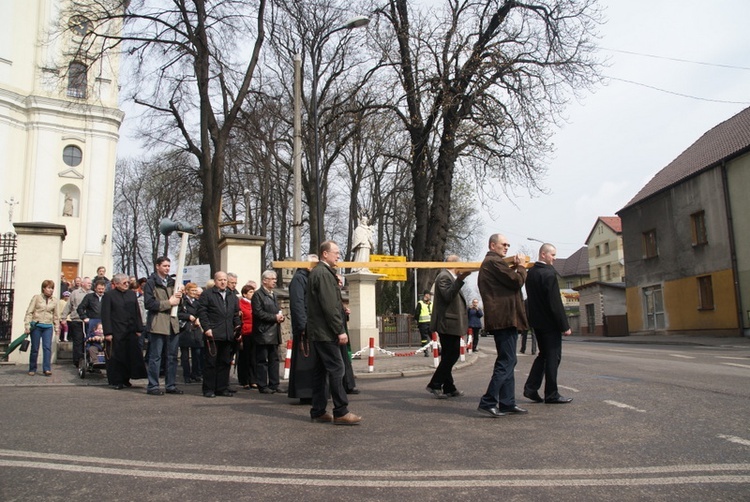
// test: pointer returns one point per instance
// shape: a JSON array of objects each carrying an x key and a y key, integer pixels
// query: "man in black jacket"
[
  {"x": 90, "y": 308},
  {"x": 547, "y": 317},
  {"x": 267, "y": 319},
  {"x": 219, "y": 314},
  {"x": 325, "y": 328},
  {"x": 302, "y": 364}
]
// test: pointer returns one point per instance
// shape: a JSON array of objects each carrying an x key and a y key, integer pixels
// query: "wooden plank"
[{"x": 460, "y": 265}]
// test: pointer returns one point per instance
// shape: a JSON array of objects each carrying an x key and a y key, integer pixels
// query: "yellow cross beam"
[{"x": 460, "y": 265}]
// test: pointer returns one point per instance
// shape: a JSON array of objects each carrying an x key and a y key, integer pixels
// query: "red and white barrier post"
[
  {"x": 288, "y": 360},
  {"x": 463, "y": 349},
  {"x": 371, "y": 358},
  {"x": 470, "y": 342},
  {"x": 435, "y": 351}
]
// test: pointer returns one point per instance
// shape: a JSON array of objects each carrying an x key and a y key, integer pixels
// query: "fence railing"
[
  {"x": 398, "y": 330},
  {"x": 7, "y": 269}
]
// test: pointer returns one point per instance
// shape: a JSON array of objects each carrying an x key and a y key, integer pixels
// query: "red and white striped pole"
[
  {"x": 470, "y": 342},
  {"x": 463, "y": 349},
  {"x": 288, "y": 360},
  {"x": 435, "y": 351},
  {"x": 371, "y": 357}
]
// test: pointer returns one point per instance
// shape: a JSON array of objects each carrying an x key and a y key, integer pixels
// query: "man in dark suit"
[
  {"x": 450, "y": 321},
  {"x": 500, "y": 286},
  {"x": 219, "y": 314},
  {"x": 547, "y": 317}
]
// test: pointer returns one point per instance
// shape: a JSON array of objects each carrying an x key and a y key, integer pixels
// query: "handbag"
[{"x": 24, "y": 345}]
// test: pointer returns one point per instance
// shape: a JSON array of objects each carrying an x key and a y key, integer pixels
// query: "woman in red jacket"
[{"x": 246, "y": 353}]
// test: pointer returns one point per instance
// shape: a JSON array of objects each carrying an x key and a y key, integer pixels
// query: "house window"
[
  {"x": 705, "y": 293},
  {"x": 599, "y": 273},
  {"x": 609, "y": 272},
  {"x": 569, "y": 284},
  {"x": 606, "y": 248},
  {"x": 698, "y": 227},
  {"x": 598, "y": 250},
  {"x": 77, "y": 80},
  {"x": 650, "y": 249},
  {"x": 72, "y": 155}
]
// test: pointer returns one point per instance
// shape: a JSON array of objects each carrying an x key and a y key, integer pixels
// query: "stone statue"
[
  {"x": 362, "y": 242},
  {"x": 68, "y": 206}
]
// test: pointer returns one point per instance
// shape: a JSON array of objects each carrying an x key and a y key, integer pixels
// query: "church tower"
[{"x": 59, "y": 124}]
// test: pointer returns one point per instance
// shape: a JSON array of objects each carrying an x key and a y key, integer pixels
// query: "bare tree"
[
  {"x": 191, "y": 72},
  {"x": 481, "y": 82}
]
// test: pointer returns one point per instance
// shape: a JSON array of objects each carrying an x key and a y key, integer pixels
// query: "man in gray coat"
[
  {"x": 450, "y": 321},
  {"x": 326, "y": 331}
]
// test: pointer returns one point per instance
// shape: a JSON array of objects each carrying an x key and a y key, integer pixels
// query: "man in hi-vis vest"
[{"x": 423, "y": 314}]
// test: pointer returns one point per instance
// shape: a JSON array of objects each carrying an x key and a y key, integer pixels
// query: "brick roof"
[
  {"x": 613, "y": 222},
  {"x": 724, "y": 142}
]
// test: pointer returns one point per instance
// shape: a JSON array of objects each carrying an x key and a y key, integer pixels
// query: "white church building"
[{"x": 59, "y": 123}]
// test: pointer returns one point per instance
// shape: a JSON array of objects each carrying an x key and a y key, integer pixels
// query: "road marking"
[
  {"x": 732, "y": 358},
  {"x": 571, "y": 389},
  {"x": 680, "y": 355},
  {"x": 737, "y": 365},
  {"x": 461, "y": 479},
  {"x": 624, "y": 406},
  {"x": 735, "y": 439}
]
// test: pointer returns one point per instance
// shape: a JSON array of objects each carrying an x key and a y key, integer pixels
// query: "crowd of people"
[{"x": 213, "y": 327}]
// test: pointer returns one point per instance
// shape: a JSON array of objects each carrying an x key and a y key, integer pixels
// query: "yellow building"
[{"x": 685, "y": 239}]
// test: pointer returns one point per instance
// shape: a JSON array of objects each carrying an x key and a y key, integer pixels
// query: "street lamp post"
[{"x": 356, "y": 22}]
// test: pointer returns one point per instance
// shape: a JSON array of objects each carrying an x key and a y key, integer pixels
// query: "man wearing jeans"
[
  {"x": 159, "y": 296},
  {"x": 500, "y": 286}
]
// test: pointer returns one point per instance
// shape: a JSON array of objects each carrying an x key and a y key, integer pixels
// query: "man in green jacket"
[{"x": 325, "y": 330}]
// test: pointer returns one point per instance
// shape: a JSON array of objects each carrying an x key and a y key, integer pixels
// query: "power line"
[
  {"x": 718, "y": 65},
  {"x": 679, "y": 93}
]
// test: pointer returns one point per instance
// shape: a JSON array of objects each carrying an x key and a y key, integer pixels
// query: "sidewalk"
[{"x": 385, "y": 366}]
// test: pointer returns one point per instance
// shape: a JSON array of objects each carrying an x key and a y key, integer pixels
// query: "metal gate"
[{"x": 7, "y": 268}]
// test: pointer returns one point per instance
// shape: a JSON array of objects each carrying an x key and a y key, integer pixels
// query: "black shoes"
[
  {"x": 225, "y": 393},
  {"x": 353, "y": 391},
  {"x": 534, "y": 396},
  {"x": 492, "y": 412},
  {"x": 455, "y": 393},
  {"x": 514, "y": 409},
  {"x": 436, "y": 392},
  {"x": 155, "y": 392},
  {"x": 266, "y": 390},
  {"x": 174, "y": 391},
  {"x": 558, "y": 400},
  {"x": 209, "y": 394}
]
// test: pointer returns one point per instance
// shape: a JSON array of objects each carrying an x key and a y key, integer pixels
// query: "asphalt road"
[{"x": 646, "y": 423}]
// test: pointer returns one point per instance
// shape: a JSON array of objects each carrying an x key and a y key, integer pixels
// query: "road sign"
[{"x": 391, "y": 274}]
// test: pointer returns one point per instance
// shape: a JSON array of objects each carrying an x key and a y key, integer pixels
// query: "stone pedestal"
[
  {"x": 363, "y": 320},
  {"x": 242, "y": 255},
  {"x": 38, "y": 257}
]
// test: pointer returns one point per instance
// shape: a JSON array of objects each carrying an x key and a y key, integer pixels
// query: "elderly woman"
[{"x": 42, "y": 319}]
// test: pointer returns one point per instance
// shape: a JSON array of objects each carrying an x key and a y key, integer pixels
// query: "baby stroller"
[{"x": 90, "y": 363}]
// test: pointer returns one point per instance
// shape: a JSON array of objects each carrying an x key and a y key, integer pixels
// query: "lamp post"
[{"x": 356, "y": 22}]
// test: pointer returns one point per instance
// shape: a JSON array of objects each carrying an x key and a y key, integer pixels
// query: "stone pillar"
[
  {"x": 243, "y": 255},
  {"x": 38, "y": 257},
  {"x": 363, "y": 320}
]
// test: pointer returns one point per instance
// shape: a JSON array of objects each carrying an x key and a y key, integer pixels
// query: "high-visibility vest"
[{"x": 425, "y": 311}]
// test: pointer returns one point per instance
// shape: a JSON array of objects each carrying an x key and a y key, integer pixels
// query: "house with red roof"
[
  {"x": 686, "y": 238},
  {"x": 606, "y": 258}
]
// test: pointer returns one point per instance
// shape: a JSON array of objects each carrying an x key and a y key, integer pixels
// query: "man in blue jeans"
[
  {"x": 159, "y": 296},
  {"x": 500, "y": 286}
]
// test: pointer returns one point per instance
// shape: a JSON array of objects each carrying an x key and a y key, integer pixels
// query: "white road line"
[
  {"x": 625, "y": 406},
  {"x": 463, "y": 484},
  {"x": 732, "y": 358},
  {"x": 735, "y": 439},
  {"x": 571, "y": 389},
  {"x": 76, "y": 463},
  {"x": 683, "y": 357},
  {"x": 737, "y": 365}
]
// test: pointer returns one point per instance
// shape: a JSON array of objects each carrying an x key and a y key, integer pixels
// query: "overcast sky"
[{"x": 616, "y": 139}]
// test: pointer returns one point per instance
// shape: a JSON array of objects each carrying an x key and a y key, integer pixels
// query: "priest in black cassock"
[{"x": 123, "y": 325}]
